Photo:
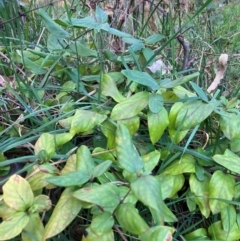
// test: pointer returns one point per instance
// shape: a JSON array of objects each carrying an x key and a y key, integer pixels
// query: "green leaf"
[
  {"x": 185, "y": 165},
  {"x": 51, "y": 26},
  {"x": 217, "y": 233},
  {"x": 34, "y": 229},
  {"x": 130, "y": 220},
  {"x": 180, "y": 81},
  {"x": 41, "y": 203},
  {"x": 155, "y": 102},
  {"x": 170, "y": 184},
  {"x": 151, "y": 160},
  {"x": 88, "y": 22},
  {"x": 13, "y": 226},
  {"x": 82, "y": 50},
  {"x": 200, "y": 191},
  {"x": 229, "y": 124},
  {"x": 132, "y": 124},
  {"x": 229, "y": 160},
  {"x": 154, "y": 38},
  {"x": 105, "y": 195},
  {"x": 148, "y": 190},
  {"x": 102, "y": 223},
  {"x": 130, "y": 107},
  {"x": 85, "y": 120},
  {"x": 45, "y": 143},
  {"x": 158, "y": 233},
  {"x": 228, "y": 217},
  {"x": 109, "y": 88},
  {"x": 193, "y": 113},
  {"x": 127, "y": 155},
  {"x": 17, "y": 193},
  {"x": 62, "y": 138},
  {"x": 101, "y": 16},
  {"x": 235, "y": 143},
  {"x": 101, "y": 168},
  {"x": 54, "y": 43},
  {"x": 109, "y": 130},
  {"x": 169, "y": 217},
  {"x": 84, "y": 160},
  {"x": 76, "y": 178},
  {"x": 157, "y": 123},
  {"x": 199, "y": 91},
  {"x": 141, "y": 78},
  {"x": 221, "y": 189},
  {"x": 91, "y": 236},
  {"x": 33, "y": 67},
  {"x": 201, "y": 232},
  {"x": 66, "y": 210}
]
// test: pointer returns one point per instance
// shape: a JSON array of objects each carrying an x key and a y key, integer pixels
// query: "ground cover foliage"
[{"x": 119, "y": 120}]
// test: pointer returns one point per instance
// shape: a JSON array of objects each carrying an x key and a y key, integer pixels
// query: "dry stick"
[
  {"x": 120, "y": 233},
  {"x": 186, "y": 48}
]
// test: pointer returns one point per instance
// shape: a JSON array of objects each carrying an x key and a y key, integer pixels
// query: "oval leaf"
[
  {"x": 157, "y": 123},
  {"x": 105, "y": 195},
  {"x": 127, "y": 154},
  {"x": 13, "y": 226},
  {"x": 17, "y": 193},
  {"x": 200, "y": 191},
  {"x": 45, "y": 143},
  {"x": 148, "y": 190},
  {"x": 193, "y": 113},
  {"x": 141, "y": 78},
  {"x": 155, "y": 102},
  {"x": 229, "y": 160},
  {"x": 130, "y": 220},
  {"x": 221, "y": 187},
  {"x": 85, "y": 120},
  {"x": 130, "y": 107}
]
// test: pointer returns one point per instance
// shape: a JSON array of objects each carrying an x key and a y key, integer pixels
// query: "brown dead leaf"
[{"x": 222, "y": 66}]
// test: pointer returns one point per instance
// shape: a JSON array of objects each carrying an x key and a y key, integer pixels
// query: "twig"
[{"x": 186, "y": 48}]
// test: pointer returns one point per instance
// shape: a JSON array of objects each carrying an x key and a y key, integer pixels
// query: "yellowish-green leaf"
[
  {"x": 17, "y": 193},
  {"x": 91, "y": 236},
  {"x": 229, "y": 124},
  {"x": 228, "y": 217},
  {"x": 217, "y": 233},
  {"x": 221, "y": 187},
  {"x": 105, "y": 195},
  {"x": 62, "y": 138},
  {"x": 131, "y": 123},
  {"x": 148, "y": 190},
  {"x": 130, "y": 220},
  {"x": 45, "y": 143},
  {"x": 157, "y": 233},
  {"x": 65, "y": 211},
  {"x": 109, "y": 88},
  {"x": 157, "y": 123},
  {"x": 200, "y": 191},
  {"x": 193, "y": 113},
  {"x": 85, "y": 120},
  {"x": 130, "y": 107},
  {"x": 13, "y": 226},
  {"x": 229, "y": 160},
  {"x": 185, "y": 165},
  {"x": 127, "y": 155},
  {"x": 102, "y": 223},
  {"x": 170, "y": 184},
  {"x": 34, "y": 229},
  {"x": 151, "y": 160}
]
